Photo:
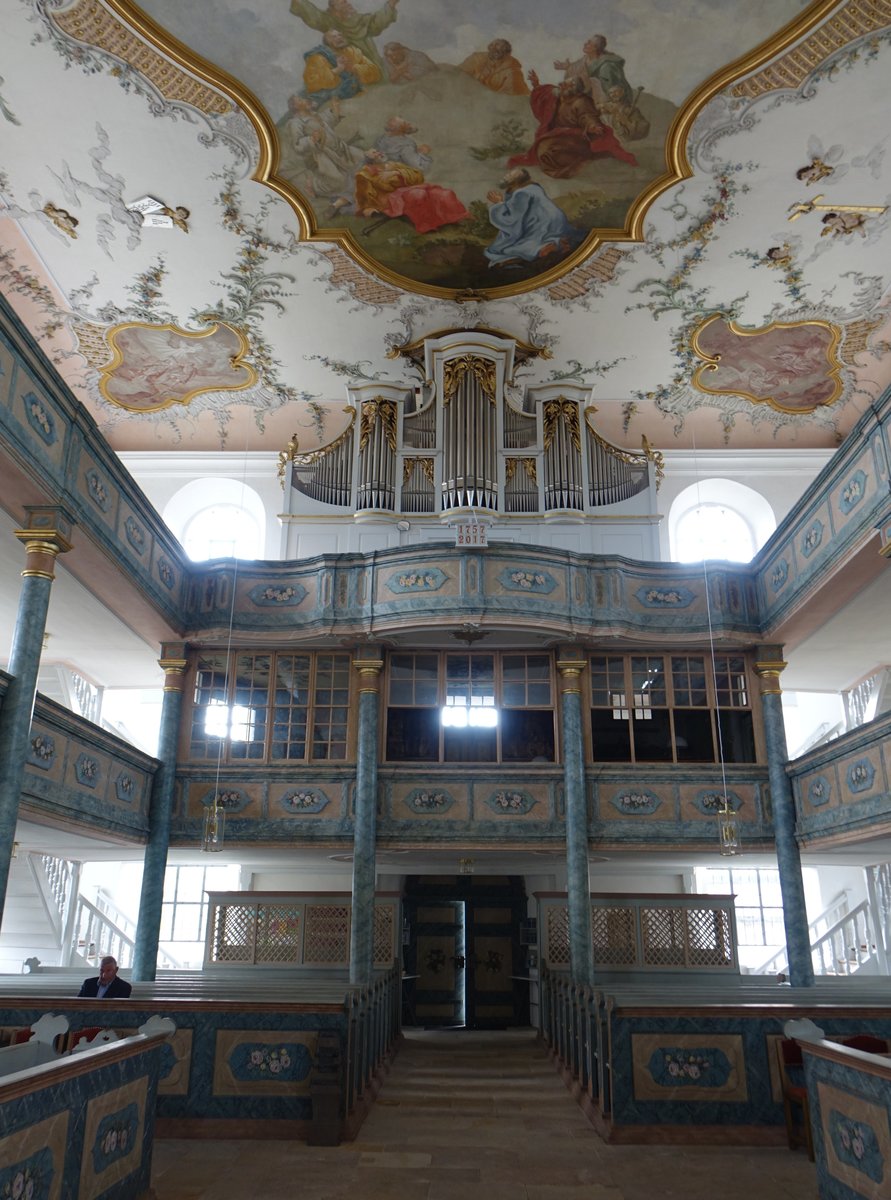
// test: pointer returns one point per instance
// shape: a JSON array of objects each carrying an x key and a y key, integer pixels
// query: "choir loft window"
[
  {"x": 669, "y": 708},
  {"x": 470, "y": 708},
  {"x": 270, "y": 707}
]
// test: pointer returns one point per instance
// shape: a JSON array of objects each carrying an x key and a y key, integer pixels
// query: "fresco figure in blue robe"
[{"x": 530, "y": 225}]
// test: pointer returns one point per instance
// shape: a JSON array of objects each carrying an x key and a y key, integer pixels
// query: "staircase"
[
  {"x": 28, "y": 930},
  {"x": 843, "y": 942},
  {"x": 46, "y": 917}
]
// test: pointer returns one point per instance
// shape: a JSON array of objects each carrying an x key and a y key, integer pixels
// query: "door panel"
[{"x": 439, "y": 954}]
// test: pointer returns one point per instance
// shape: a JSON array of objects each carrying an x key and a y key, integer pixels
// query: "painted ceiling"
[{"x": 216, "y": 216}]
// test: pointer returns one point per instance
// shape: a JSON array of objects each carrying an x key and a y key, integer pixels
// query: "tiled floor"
[{"x": 476, "y": 1116}]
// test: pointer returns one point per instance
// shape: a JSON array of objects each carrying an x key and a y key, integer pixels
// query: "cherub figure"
[{"x": 839, "y": 224}]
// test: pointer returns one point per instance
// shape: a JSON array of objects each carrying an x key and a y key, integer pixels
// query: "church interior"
[{"x": 445, "y": 514}]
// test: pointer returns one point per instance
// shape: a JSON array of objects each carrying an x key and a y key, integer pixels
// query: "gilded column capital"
[
  {"x": 570, "y": 670},
  {"x": 45, "y": 535},
  {"x": 369, "y": 673},
  {"x": 768, "y": 671},
  {"x": 174, "y": 673},
  {"x": 41, "y": 551}
]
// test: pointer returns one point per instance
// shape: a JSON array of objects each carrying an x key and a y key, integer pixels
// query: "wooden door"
[{"x": 435, "y": 958}]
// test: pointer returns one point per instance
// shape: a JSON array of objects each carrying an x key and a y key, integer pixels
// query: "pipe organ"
[{"x": 466, "y": 441}]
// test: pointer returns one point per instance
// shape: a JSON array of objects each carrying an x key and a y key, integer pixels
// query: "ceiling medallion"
[
  {"x": 791, "y": 366},
  {"x": 489, "y": 170},
  {"x": 155, "y": 366}
]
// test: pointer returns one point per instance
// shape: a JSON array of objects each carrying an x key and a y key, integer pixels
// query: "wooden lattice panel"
[
  {"x": 384, "y": 926},
  {"x": 278, "y": 934},
  {"x": 708, "y": 937},
  {"x": 233, "y": 935},
  {"x": 327, "y": 934},
  {"x": 613, "y": 936},
  {"x": 662, "y": 931},
  {"x": 558, "y": 937}
]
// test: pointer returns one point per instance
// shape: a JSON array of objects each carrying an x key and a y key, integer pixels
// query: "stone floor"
[{"x": 475, "y": 1116}]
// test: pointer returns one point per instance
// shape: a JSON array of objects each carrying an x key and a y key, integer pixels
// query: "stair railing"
[
  {"x": 847, "y": 946},
  {"x": 832, "y": 914}
]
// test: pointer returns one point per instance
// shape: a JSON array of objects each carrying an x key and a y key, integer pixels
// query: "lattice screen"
[
  {"x": 327, "y": 934},
  {"x": 662, "y": 932},
  {"x": 278, "y": 934},
  {"x": 557, "y": 941},
  {"x": 613, "y": 935},
  {"x": 708, "y": 937},
  {"x": 384, "y": 925},
  {"x": 233, "y": 935}
]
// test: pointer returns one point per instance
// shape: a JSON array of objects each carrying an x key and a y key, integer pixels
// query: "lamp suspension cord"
[
  {"x": 711, "y": 641},
  {"x": 230, "y": 708}
]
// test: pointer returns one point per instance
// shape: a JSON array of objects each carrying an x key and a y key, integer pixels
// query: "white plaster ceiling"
[{"x": 84, "y": 130}]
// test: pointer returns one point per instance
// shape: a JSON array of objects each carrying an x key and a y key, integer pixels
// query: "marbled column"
[
  {"x": 45, "y": 536},
  {"x": 768, "y": 666},
  {"x": 578, "y": 884},
  {"x": 148, "y": 926},
  {"x": 365, "y": 822}
]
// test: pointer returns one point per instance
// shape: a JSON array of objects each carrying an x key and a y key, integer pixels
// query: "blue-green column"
[
  {"x": 768, "y": 667},
  {"x": 365, "y": 821},
  {"x": 578, "y": 884},
  {"x": 148, "y": 926},
  {"x": 45, "y": 536}
]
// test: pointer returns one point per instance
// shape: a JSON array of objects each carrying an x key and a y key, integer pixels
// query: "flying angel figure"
[{"x": 824, "y": 163}]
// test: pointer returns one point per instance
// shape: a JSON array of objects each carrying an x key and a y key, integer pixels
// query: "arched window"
[
  {"x": 218, "y": 518},
  {"x": 718, "y": 518}
]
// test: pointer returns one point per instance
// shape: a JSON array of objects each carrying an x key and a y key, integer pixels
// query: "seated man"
[
  {"x": 497, "y": 69},
  {"x": 107, "y": 983},
  {"x": 337, "y": 71}
]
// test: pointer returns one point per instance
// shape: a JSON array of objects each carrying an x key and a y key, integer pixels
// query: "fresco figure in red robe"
[{"x": 570, "y": 131}]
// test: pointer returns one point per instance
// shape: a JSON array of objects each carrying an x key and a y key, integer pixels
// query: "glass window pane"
[
  {"x": 771, "y": 896},
  {"x": 527, "y": 736},
  {"x": 187, "y": 923},
  {"x": 648, "y": 678},
  {"x": 693, "y": 735},
  {"x": 611, "y": 738},
  {"x": 652, "y": 737}
]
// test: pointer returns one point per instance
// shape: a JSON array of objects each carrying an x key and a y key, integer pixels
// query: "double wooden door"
[{"x": 464, "y": 963}]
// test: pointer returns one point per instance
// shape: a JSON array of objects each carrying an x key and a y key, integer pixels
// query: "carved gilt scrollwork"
[
  {"x": 371, "y": 411},
  {"x": 564, "y": 410},
  {"x": 455, "y": 369}
]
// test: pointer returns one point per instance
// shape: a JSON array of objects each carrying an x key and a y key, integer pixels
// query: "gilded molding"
[
  {"x": 416, "y": 350},
  {"x": 857, "y": 19},
  {"x": 314, "y": 456},
  {"x": 90, "y": 22}
]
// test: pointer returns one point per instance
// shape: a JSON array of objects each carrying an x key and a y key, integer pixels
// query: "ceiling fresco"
[{"x": 684, "y": 204}]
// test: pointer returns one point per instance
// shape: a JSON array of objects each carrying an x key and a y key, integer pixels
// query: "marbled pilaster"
[
  {"x": 768, "y": 667},
  {"x": 148, "y": 928},
  {"x": 362, "y": 922},
  {"x": 45, "y": 536},
  {"x": 578, "y": 886}
]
